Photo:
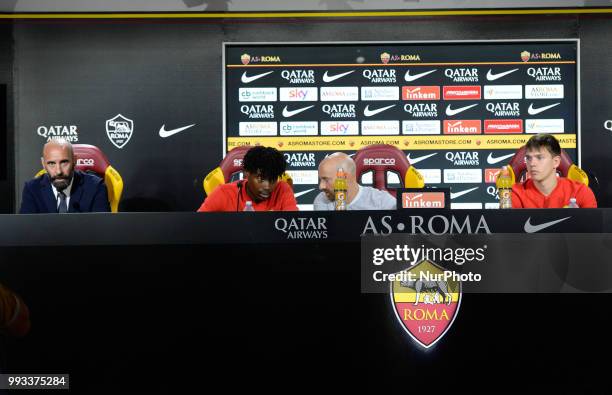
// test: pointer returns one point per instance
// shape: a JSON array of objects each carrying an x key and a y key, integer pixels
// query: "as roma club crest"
[
  {"x": 425, "y": 303},
  {"x": 119, "y": 130}
]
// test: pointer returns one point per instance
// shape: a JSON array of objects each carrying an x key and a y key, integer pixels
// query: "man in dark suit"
[{"x": 62, "y": 189}]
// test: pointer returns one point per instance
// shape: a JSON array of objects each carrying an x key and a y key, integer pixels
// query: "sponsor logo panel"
[
  {"x": 380, "y": 76},
  {"x": 257, "y": 128},
  {"x": 465, "y": 126},
  {"x": 67, "y": 132},
  {"x": 299, "y": 94},
  {"x": 304, "y": 177},
  {"x": 299, "y": 128},
  {"x": 545, "y": 74},
  {"x": 466, "y": 206},
  {"x": 462, "y": 92},
  {"x": 504, "y": 109},
  {"x": 421, "y": 110},
  {"x": 420, "y": 127},
  {"x": 463, "y": 158},
  {"x": 339, "y": 128},
  {"x": 258, "y": 111},
  {"x": 375, "y": 93},
  {"x": 119, "y": 130},
  {"x": 420, "y": 93},
  {"x": 423, "y": 200},
  {"x": 431, "y": 176},
  {"x": 462, "y": 74},
  {"x": 339, "y": 93},
  {"x": 503, "y": 92},
  {"x": 339, "y": 110},
  {"x": 257, "y": 94},
  {"x": 544, "y": 92},
  {"x": 462, "y": 176},
  {"x": 490, "y": 175},
  {"x": 379, "y": 127},
  {"x": 501, "y": 126},
  {"x": 550, "y": 126},
  {"x": 298, "y": 76}
]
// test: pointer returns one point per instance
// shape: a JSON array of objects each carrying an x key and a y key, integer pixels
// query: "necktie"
[{"x": 62, "y": 208}]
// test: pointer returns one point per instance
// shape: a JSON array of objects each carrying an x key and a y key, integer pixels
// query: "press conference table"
[{"x": 131, "y": 300}]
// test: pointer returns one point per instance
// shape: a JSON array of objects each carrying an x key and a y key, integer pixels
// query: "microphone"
[{"x": 239, "y": 194}]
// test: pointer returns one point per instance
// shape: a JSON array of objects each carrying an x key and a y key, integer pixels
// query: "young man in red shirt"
[
  {"x": 262, "y": 168},
  {"x": 545, "y": 189}
]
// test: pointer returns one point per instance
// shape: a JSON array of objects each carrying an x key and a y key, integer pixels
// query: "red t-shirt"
[
  {"x": 526, "y": 195},
  {"x": 225, "y": 198}
]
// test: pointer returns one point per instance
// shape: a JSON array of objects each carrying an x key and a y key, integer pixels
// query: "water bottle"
[
  {"x": 340, "y": 190},
  {"x": 573, "y": 204},
  {"x": 249, "y": 206},
  {"x": 504, "y": 188}
]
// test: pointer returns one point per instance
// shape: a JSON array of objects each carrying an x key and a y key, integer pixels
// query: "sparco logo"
[
  {"x": 258, "y": 111},
  {"x": 504, "y": 109},
  {"x": 119, "y": 130},
  {"x": 299, "y": 76},
  {"x": 68, "y": 132},
  {"x": 300, "y": 159},
  {"x": 463, "y": 158},
  {"x": 85, "y": 162},
  {"x": 422, "y": 110},
  {"x": 462, "y": 74},
  {"x": 380, "y": 75},
  {"x": 379, "y": 161},
  {"x": 436, "y": 225},
  {"x": 339, "y": 110},
  {"x": 545, "y": 73},
  {"x": 302, "y": 228}
]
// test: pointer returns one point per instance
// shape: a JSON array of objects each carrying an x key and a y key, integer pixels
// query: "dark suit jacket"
[{"x": 88, "y": 194}]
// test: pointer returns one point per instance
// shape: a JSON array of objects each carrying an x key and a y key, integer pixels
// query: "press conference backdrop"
[
  {"x": 459, "y": 110},
  {"x": 72, "y": 78}
]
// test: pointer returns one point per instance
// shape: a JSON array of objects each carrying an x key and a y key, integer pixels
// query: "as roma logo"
[
  {"x": 245, "y": 58},
  {"x": 425, "y": 303},
  {"x": 525, "y": 56}
]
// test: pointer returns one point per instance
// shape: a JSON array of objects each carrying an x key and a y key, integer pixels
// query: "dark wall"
[
  {"x": 82, "y": 73},
  {"x": 7, "y": 171}
]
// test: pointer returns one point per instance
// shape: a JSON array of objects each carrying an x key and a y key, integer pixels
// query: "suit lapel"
[
  {"x": 76, "y": 192},
  {"x": 47, "y": 194}
]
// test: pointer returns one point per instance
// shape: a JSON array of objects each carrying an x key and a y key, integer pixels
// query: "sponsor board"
[
  {"x": 504, "y": 109},
  {"x": 545, "y": 74},
  {"x": 501, "y": 126},
  {"x": 421, "y": 110},
  {"x": 299, "y": 128},
  {"x": 339, "y": 110},
  {"x": 491, "y": 206},
  {"x": 257, "y": 128},
  {"x": 258, "y": 111},
  {"x": 420, "y": 93},
  {"x": 462, "y": 176},
  {"x": 257, "y": 94},
  {"x": 339, "y": 93},
  {"x": 462, "y": 74},
  {"x": 300, "y": 159},
  {"x": 380, "y": 76},
  {"x": 299, "y": 94},
  {"x": 550, "y": 126},
  {"x": 503, "y": 92},
  {"x": 420, "y": 127},
  {"x": 339, "y": 128},
  {"x": 298, "y": 76},
  {"x": 379, "y": 127},
  {"x": 544, "y": 91},
  {"x": 465, "y": 126},
  {"x": 375, "y": 93},
  {"x": 463, "y": 158},
  {"x": 302, "y": 227},
  {"x": 411, "y": 143},
  {"x": 462, "y": 92}
]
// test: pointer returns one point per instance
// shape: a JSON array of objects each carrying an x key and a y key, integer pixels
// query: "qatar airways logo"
[
  {"x": 298, "y": 76},
  {"x": 462, "y": 74},
  {"x": 301, "y": 228},
  {"x": 380, "y": 75}
]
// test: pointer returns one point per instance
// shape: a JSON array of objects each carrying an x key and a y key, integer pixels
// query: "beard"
[{"x": 61, "y": 183}]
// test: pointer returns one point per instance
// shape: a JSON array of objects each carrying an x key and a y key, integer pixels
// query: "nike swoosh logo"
[
  {"x": 493, "y": 77},
  {"x": 529, "y": 228},
  {"x": 450, "y": 112},
  {"x": 332, "y": 78},
  {"x": 461, "y": 193},
  {"x": 246, "y": 79},
  {"x": 163, "y": 133},
  {"x": 535, "y": 111},
  {"x": 297, "y": 195},
  {"x": 368, "y": 113},
  {"x": 287, "y": 113},
  {"x": 418, "y": 158},
  {"x": 411, "y": 78},
  {"x": 492, "y": 160}
]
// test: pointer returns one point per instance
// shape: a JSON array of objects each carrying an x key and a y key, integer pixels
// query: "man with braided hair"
[{"x": 261, "y": 185}]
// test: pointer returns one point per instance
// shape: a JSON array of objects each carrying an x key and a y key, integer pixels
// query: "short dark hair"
[
  {"x": 266, "y": 162},
  {"x": 544, "y": 140}
]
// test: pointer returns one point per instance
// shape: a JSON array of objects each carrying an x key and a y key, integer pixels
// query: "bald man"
[
  {"x": 358, "y": 197},
  {"x": 62, "y": 189}
]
